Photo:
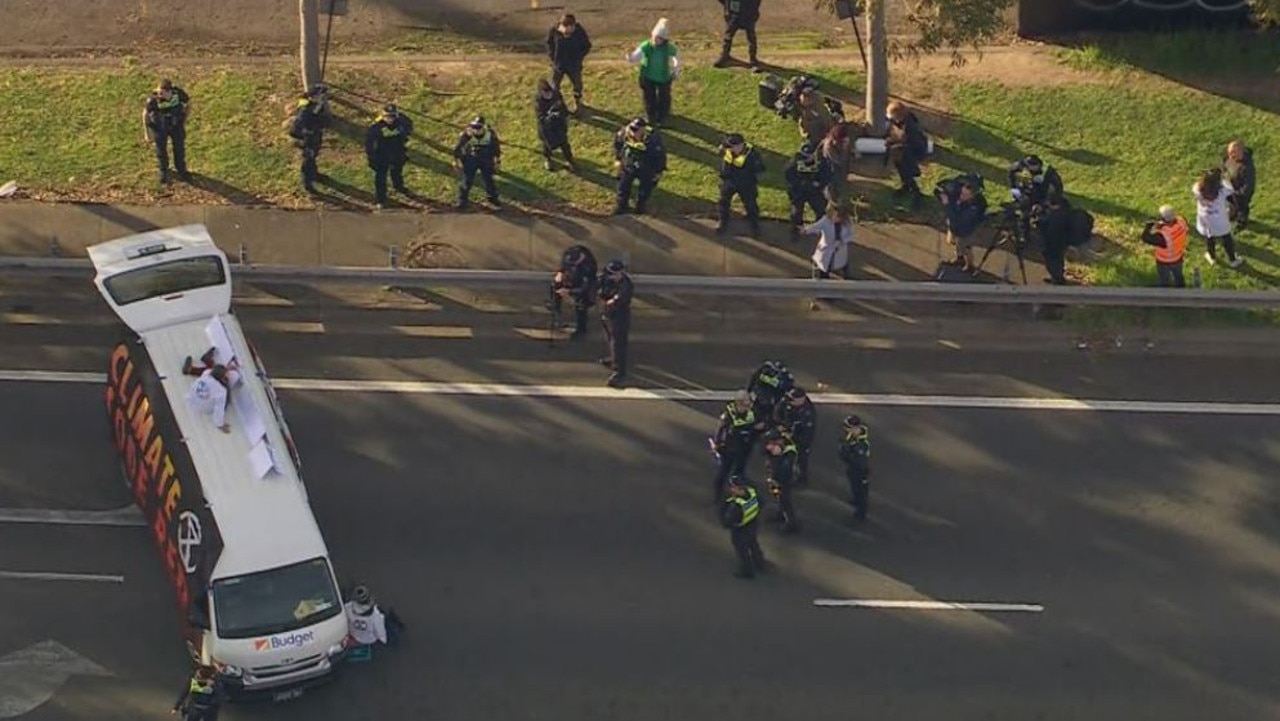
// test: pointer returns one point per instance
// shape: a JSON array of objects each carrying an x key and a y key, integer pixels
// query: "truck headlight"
[{"x": 338, "y": 648}]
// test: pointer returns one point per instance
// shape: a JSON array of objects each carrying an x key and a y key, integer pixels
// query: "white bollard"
[{"x": 876, "y": 146}]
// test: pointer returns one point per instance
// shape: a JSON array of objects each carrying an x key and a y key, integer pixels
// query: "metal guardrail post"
[{"x": 867, "y": 290}]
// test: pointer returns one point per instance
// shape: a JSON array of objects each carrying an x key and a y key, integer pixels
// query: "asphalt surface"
[{"x": 557, "y": 558}]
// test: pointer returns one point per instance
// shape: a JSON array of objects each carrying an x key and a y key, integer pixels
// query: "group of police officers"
[{"x": 774, "y": 410}]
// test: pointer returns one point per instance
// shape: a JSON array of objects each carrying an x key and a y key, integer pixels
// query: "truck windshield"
[
  {"x": 175, "y": 276},
  {"x": 275, "y": 601}
]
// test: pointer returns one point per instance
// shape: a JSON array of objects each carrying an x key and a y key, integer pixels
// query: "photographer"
[
  {"x": 575, "y": 280},
  {"x": 965, "y": 208},
  {"x": 1169, "y": 236},
  {"x": 813, "y": 116}
]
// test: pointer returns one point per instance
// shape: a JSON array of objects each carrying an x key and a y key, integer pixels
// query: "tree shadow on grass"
[
  {"x": 456, "y": 16},
  {"x": 231, "y": 193}
]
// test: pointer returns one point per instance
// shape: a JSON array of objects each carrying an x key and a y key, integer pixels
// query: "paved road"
[{"x": 555, "y": 559}]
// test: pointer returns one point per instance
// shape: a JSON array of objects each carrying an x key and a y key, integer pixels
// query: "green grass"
[
  {"x": 1124, "y": 149},
  {"x": 1218, "y": 53}
]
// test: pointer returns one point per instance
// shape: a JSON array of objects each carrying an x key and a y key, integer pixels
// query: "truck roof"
[{"x": 247, "y": 477}]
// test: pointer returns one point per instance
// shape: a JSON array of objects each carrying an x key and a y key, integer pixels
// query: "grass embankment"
[{"x": 1128, "y": 132}]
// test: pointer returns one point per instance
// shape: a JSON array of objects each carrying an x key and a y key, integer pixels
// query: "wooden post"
[
  {"x": 878, "y": 71},
  {"x": 309, "y": 45}
]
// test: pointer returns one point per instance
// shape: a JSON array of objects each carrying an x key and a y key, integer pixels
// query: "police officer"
[
  {"x": 1031, "y": 184},
  {"x": 769, "y": 385},
  {"x": 855, "y": 453},
  {"x": 615, "y": 300},
  {"x": 478, "y": 150},
  {"x": 808, "y": 175},
  {"x": 310, "y": 118},
  {"x": 201, "y": 698},
  {"x": 780, "y": 452},
  {"x": 739, "y": 513},
  {"x": 740, "y": 169},
  {"x": 576, "y": 280},
  {"x": 639, "y": 158},
  {"x": 163, "y": 119},
  {"x": 384, "y": 146},
  {"x": 739, "y": 15},
  {"x": 553, "y": 123},
  {"x": 797, "y": 416},
  {"x": 733, "y": 440}
]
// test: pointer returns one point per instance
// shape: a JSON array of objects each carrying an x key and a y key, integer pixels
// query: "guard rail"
[{"x": 865, "y": 290}]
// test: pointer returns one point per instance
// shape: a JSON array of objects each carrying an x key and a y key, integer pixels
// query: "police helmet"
[
  {"x": 734, "y": 139},
  {"x": 774, "y": 367},
  {"x": 476, "y": 123},
  {"x": 851, "y": 422},
  {"x": 637, "y": 125},
  {"x": 808, "y": 149},
  {"x": 390, "y": 110},
  {"x": 795, "y": 393},
  {"x": 614, "y": 267},
  {"x": 361, "y": 595},
  {"x": 1034, "y": 163}
]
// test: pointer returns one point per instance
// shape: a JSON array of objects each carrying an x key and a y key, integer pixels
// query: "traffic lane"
[
  {"x": 541, "y": 534},
  {"x": 131, "y": 629},
  {"x": 685, "y": 353},
  {"x": 57, "y": 449}
]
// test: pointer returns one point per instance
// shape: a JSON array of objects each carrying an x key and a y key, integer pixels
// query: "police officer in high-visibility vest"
[
  {"x": 310, "y": 118},
  {"x": 740, "y": 169},
  {"x": 740, "y": 512},
  {"x": 799, "y": 418},
  {"x": 385, "y": 149},
  {"x": 732, "y": 442},
  {"x": 768, "y": 386},
  {"x": 808, "y": 175},
  {"x": 780, "y": 452},
  {"x": 639, "y": 159},
  {"x": 1168, "y": 235},
  {"x": 201, "y": 698},
  {"x": 478, "y": 150},
  {"x": 855, "y": 453},
  {"x": 164, "y": 119}
]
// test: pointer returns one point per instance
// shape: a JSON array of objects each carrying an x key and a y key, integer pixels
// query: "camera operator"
[
  {"x": 812, "y": 114},
  {"x": 1031, "y": 184},
  {"x": 1056, "y": 232},
  {"x": 576, "y": 280},
  {"x": 1168, "y": 235},
  {"x": 965, "y": 208}
]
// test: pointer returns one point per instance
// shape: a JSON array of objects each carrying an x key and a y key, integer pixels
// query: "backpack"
[{"x": 1081, "y": 226}]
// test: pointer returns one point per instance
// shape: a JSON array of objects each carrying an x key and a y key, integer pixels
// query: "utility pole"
[
  {"x": 878, "y": 71},
  {"x": 309, "y": 47}
]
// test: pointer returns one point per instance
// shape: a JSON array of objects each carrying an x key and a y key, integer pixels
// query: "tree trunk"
[
  {"x": 309, "y": 48},
  {"x": 878, "y": 72}
]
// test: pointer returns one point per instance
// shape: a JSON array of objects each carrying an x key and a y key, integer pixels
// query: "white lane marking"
[
  {"x": 460, "y": 332},
  {"x": 928, "y": 605},
  {"x": 125, "y": 516},
  {"x": 1011, "y": 403},
  {"x": 30, "y": 319},
  {"x": 289, "y": 326},
  {"x": 31, "y": 676},
  {"x": 35, "y": 576}
]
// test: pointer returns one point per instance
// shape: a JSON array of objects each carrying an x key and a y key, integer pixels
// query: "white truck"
[{"x": 226, "y": 506}]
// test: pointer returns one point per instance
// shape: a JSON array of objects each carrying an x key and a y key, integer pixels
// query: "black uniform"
[
  {"x": 768, "y": 385},
  {"x": 740, "y": 175},
  {"x": 808, "y": 175},
  {"x": 479, "y": 153},
  {"x": 643, "y": 160},
  {"x": 800, "y": 422},
  {"x": 906, "y": 146},
  {"x": 310, "y": 118},
  {"x": 553, "y": 126},
  {"x": 1055, "y": 233},
  {"x": 782, "y": 481},
  {"x": 577, "y": 278},
  {"x": 384, "y": 147},
  {"x": 167, "y": 121},
  {"x": 615, "y": 300},
  {"x": 1040, "y": 185},
  {"x": 200, "y": 700},
  {"x": 740, "y": 515},
  {"x": 732, "y": 443},
  {"x": 855, "y": 453},
  {"x": 740, "y": 15}
]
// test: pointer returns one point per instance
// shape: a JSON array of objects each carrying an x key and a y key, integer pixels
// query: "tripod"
[{"x": 1010, "y": 236}]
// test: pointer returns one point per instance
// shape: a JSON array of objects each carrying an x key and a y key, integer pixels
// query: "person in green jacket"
[{"x": 659, "y": 65}]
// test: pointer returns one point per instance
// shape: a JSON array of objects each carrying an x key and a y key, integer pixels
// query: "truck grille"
[{"x": 281, "y": 669}]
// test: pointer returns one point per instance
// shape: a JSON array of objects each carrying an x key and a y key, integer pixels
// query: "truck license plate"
[{"x": 289, "y": 695}]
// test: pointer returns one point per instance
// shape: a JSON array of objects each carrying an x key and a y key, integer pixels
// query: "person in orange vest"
[{"x": 1169, "y": 237}]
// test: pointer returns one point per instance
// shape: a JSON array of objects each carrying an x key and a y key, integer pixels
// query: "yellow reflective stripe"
[{"x": 750, "y": 507}]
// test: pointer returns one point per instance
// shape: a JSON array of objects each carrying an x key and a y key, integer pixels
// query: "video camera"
[
  {"x": 787, "y": 104},
  {"x": 950, "y": 188}
]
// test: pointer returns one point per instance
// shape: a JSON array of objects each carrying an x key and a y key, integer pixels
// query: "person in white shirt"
[
  {"x": 368, "y": 622},
  {"x": 209, "y": 394},
  {"x": 1213, "y": 216},
  {"x": 836, "y": 236}
]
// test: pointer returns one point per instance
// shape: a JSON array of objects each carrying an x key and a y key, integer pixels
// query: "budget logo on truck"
[{"x": 275, "y": 643}]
